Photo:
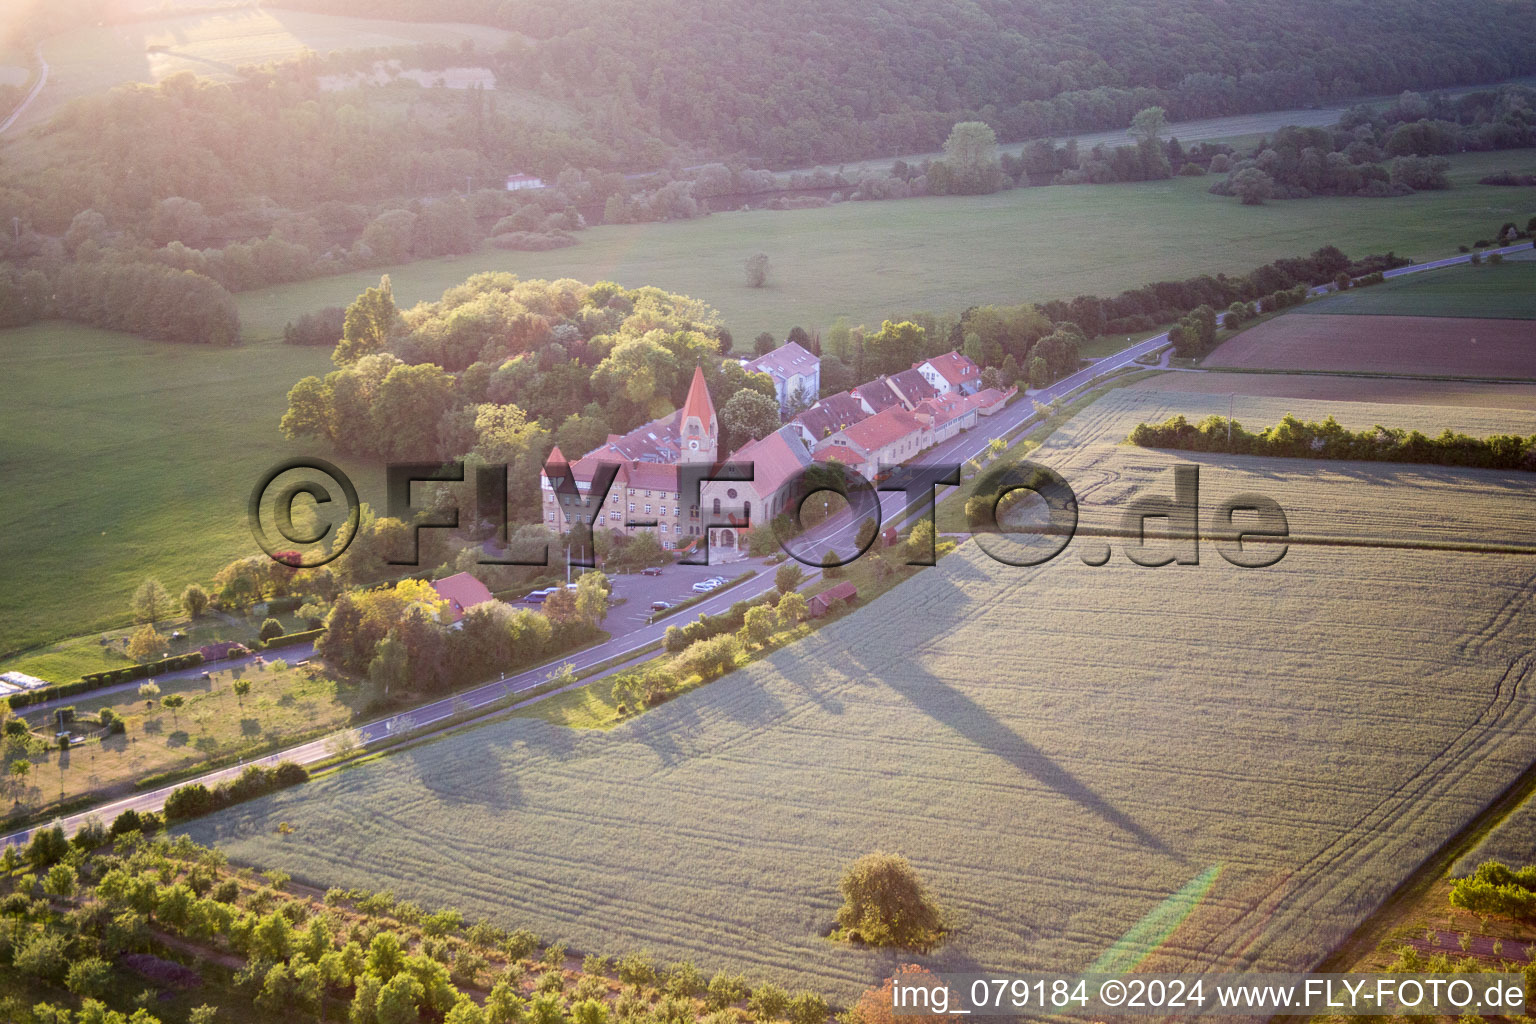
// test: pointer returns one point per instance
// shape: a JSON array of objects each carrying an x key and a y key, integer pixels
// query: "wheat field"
[{"x": 1065, "y": 752}]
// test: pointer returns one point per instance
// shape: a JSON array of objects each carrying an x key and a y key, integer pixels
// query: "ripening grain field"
[{"x": 1242, "y": 762}]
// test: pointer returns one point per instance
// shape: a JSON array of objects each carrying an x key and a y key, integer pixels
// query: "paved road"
[
  {"x": 37, "y": 87},
  {"x": 836, "y": 531}
]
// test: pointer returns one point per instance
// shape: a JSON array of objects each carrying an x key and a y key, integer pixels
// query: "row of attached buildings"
[{"x": 888, "y": 420}]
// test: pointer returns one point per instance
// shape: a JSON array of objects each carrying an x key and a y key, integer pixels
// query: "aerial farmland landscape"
[{"x": 653, "y": 512}]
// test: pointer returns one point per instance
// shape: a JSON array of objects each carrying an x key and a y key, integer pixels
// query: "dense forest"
[{"x": 795, "y": 83}]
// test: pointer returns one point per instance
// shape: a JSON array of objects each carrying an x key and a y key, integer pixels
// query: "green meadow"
[
  {"x": 1506, "y": 291},
  {"x": 134, "y": 458}
]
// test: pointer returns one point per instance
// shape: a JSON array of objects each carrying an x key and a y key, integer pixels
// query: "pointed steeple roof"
[
  {"x": 555, "y": 456},
  {"x": 699, "y": 403}
]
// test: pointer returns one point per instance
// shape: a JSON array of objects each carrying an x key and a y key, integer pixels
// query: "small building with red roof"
[{"x": 462, "y": 592}]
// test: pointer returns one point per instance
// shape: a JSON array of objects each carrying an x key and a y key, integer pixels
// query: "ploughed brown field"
[
  {"x": 1389, "y": 390},
  {"x": 1422, "y": 345}
]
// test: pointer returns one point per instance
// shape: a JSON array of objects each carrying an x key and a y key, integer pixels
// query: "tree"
[
  {"x": 89, "y": 977},
  {"x": 367, "y": 325},
  {"x": 867, "y": 530},
  {"x": 174, "y": 702},
  {"x": 242, "y": 687},
  {"x": 194, "y": 600},
  {"x": 768, "y": 1003},
  {"x": 1149, "y": 123},
  {"x": 970, "y": 154},
  {"x": 19, "y": 769},
  {"x": 151, "y": 601},
  {"x": 1252, "y": 186},
  {"x": 792, "y": 610},
  {"x": 757, "y": 270},
  {"x": 390, "y": 666},
  {"x": 788, "y": 577},
  {"x": 885, "y": 904},
  {"x": 831, "y": 568},
  {"x": 920, "y": 542},
  {"x": 747, "y": 416},
  {"x": 145, "y": 644},
  {"x": 757, "y": 626},
  {"x": 592, "y": 592},
  {"x": 271, "y": 629}
]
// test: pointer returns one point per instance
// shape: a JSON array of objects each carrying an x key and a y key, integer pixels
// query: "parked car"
[
  {"x": 660, "y": 606},
  {"x": 705, "y": 586},
  {"x": 651, "y": 570},
  {"x": 718, "y": 581}
]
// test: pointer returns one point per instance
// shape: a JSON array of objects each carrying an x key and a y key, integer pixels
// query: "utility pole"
[{"x": 1231, "y": 401}]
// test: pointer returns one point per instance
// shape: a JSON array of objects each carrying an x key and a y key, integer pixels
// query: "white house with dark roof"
[{"x": 794, "y": 372}]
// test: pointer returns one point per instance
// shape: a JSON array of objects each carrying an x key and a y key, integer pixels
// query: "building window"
[
  {"x": 717, "y": 506},
  {"x": 663, "y": 527},
  {"x": 551, "y": 517},
  {"x": 613, "y": 517},
  {"x": 647, "y": 509},
  {"x": 746, "y": 509},
  {"x": 693, "y": 510},
  {"x": 631, "y": 508}
]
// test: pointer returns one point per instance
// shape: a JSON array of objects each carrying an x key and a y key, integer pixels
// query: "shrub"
[
  {"x": 886, "y": 903},
  {"x": 271, "y": 628},
  {"x": 807, "y": 1008},
  {"x": 89, "y": 977},
  {"x": 725, "y": 989},
  {"x": 768, "y": 1002}
]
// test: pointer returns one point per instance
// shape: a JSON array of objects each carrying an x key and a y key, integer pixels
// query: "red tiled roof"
[
  {"x": 953, "y": 367},
  {"x": 844, "y": 591},
  {"x": 699, "y": 403},
  {"x": 651, "y": 475},
  {"x": 882, "y": 429},
  {"x": 774, "y": 459},
  {"x": 462, "y": 592}
]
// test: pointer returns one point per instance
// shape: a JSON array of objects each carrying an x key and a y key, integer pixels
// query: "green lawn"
[
  {"x": 138, "y": 456},
  {"x": 1505, "y": 292}
]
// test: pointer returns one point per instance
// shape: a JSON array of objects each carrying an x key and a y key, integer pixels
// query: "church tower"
[{"x": 698, "y": 432}]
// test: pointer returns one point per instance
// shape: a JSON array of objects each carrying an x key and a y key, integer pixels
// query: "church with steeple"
[{"x": 646, "y": 489}]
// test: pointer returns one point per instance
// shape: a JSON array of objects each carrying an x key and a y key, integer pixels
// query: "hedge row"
[
  {"x": 96, "y": 680},
  {"x": 196, "y": 799},
  {"x": 303, "y": 636}
]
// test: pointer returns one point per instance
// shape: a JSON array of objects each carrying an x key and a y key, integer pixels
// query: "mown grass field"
[
  {"x": 869, "y": 261},
  {"x": 1506, "y": 291},
  {"x": 126, "y": 458},
  {"x": 1058, "y": 750},
  {"x": 212, "y": 44},
  {"x": 99, "y": 423}
]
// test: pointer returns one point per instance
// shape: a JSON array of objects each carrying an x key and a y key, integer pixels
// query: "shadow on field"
[{"x": 948, "y": 706}]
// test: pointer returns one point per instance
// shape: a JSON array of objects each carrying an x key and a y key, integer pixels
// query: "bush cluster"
[
  {"x": 1293, "y": 438},
  {"x": 194, "y": 800},
  {"x": 1496, "y": 890}
]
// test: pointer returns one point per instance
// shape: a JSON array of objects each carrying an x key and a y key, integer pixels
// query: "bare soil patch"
[{"x": 1428, "y": 346}]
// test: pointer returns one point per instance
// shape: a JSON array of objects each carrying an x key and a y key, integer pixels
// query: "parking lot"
[{"x": 674, "y": 585}]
